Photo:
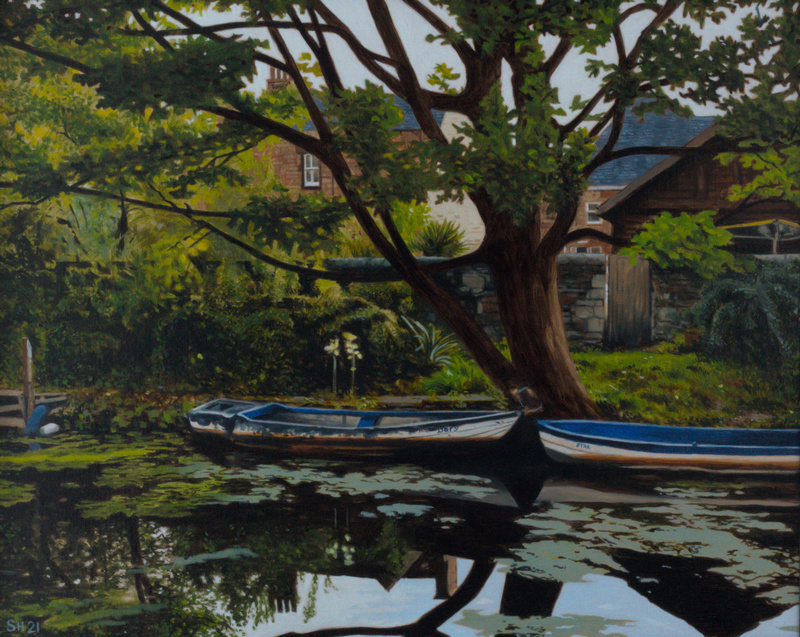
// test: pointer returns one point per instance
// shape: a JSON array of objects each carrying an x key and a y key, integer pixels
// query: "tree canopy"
[{"x": 147, "y": 101}]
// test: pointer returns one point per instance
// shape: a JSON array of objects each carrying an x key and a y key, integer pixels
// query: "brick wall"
[{"x": 287, "y": 162}]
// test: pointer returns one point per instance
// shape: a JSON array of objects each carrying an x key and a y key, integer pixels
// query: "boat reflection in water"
[
  {"x": 644, "y": 579},
  {"x": 239, "y": 546}
]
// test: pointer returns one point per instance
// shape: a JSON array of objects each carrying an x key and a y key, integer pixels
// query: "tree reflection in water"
[{"x": 156, "y": 540}]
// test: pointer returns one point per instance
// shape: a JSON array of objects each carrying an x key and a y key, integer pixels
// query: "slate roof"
[
  {"x": 654, "y": 130},
  {"x": 409, "y": 121}
]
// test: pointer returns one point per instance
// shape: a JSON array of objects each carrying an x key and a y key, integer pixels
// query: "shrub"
[
  {"x": 684, "y": 241},
  {"x": 754, "y": 318},
  {"x": 461, "y": 376},
  {"x": 439, "y": 239},
  {"x": 436, "y": 346}
]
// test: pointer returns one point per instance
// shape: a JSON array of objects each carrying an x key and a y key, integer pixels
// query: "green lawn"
[
  {"x": 669, "y": 388},
  {"x": 658, "y": 387}
]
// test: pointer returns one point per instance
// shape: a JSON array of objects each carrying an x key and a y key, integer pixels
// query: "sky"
[
  {"x": 570, "y": 80},
  {"x": 352, "y": 601}
]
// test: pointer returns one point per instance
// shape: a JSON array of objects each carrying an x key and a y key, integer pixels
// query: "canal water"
[{"x": 147, "y": 536}]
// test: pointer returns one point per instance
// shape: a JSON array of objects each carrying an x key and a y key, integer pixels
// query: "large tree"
[{"x": 175, "y": 74}]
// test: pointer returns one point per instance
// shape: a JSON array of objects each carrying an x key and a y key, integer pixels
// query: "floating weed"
[
  {"x": 12, "y": 493},
  {"x": 77, "y": 451},
  {"x": 164, "y": 499}
]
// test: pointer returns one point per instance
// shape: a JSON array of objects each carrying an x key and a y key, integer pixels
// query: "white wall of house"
[{"x": 465, "y": 214}]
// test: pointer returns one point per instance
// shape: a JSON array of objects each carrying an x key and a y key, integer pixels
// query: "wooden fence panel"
[{"x": 629, "y": 306}]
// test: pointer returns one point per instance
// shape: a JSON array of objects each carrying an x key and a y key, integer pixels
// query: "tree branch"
[
  {"x": 427, "y": 624},
  {"x": 148, "y": 29},
  {"x": 411, "y": 90},
  {"x": 550, "y": 65},
  {"x": 292, "y": 135},
  {"x": 313, "y": 109},
  {"x": 591, "y": 233},
  {"x": 461, "y": 47},
  {"x": 327, "y": 63},
  {"x": 46, "y": 55},
  {"x": 188, "y": 22},
  {"x": 369, "y": 59},
  {"x": 617, "y": 119}
]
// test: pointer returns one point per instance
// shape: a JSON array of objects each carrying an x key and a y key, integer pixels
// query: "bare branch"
[
  {"x": 188, "y": 22},
  {"x": 292, "y": 135},
  {"x": 637, "y": 8},
  {"x": 461, "y": 47},
  {"x": 411, "y": 91},
  {"x": 591, "y": 233},
  {"x": 617, "y": 119},
  {"x": 372, "y": 61},
  {"x": 550, "y": 65},
  {"x": 585, "y": 112},
  {"x": 619, "y": 43},
  {"x": 313, "y": 109},
  {"x": 669, "y": 7},
  {"x": 327, "y": 63},
  {"x": 626, "y": 62}
]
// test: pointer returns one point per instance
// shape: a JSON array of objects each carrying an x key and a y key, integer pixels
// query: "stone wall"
[
  {"x": 582, "y": 287},
  {"x": 673, "y": 294},
  {"x": 582, "y": 283},
  {"x": 583, "y": 290}
]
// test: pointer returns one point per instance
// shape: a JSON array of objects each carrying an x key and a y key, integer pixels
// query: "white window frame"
[
  {"x": 311, "y": 174},
  {"x": 591, "y": 209}
]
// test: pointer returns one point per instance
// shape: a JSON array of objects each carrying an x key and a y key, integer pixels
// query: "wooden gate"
[{"x": 629, "y": 313}]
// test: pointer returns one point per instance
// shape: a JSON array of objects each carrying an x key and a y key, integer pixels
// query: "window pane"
[{"x": 310, "y": 170}]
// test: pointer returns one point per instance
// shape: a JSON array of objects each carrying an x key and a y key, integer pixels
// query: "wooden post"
[{"x": 27, "y": 377}]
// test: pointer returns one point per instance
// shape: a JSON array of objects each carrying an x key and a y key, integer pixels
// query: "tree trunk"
[{"x": 530, "y": 311}]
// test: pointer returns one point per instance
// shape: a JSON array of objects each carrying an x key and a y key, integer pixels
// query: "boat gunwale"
[
  {"x": 655, "y": 446},
  {"x": 417, "y": 426}
]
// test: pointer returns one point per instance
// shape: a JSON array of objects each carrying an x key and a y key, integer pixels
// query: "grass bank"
[
  {"x": 659, "y": 386},
  {"x": 656, "y": 386}
]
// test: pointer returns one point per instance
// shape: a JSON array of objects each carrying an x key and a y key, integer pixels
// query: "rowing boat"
[
  {"x": 348, "y": 433},
  {"x": 615, "y": 444}
]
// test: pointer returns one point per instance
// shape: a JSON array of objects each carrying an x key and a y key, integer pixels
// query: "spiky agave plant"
[
  {"x": 439, "y": 239},
  {"x": 437, "y": 346}
]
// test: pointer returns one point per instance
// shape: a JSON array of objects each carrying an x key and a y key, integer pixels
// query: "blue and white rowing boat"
[
  {"x": 616, "y": 444},
  {"x": 348, "y": 433}
]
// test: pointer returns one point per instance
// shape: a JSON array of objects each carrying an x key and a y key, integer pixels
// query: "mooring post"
[{"x": 27, "y": 377}]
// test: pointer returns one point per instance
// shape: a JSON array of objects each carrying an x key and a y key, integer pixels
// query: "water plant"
[
  {"x": 353, "y": 354},
  {"x": 332, "y": 349}
]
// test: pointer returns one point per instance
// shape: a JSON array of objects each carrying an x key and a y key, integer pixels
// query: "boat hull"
[
  {"x": 627, "y": 445},
  {"x": 343, "y": 433}
]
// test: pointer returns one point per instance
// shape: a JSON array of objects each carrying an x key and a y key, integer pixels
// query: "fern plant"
[
  {"x": 754, "y": 318},
  {"x": 434, "y": 344}
]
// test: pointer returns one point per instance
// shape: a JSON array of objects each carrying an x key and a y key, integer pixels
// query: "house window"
[
  {"x": 310, "y": 171},
  {"x": 591, "y": 213}
]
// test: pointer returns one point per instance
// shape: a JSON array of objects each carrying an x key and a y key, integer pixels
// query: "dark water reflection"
[{"x": 148, "y": 537}]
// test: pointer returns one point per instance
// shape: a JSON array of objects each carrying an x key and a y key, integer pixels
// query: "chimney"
[{"x": 277, "y": 79}]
